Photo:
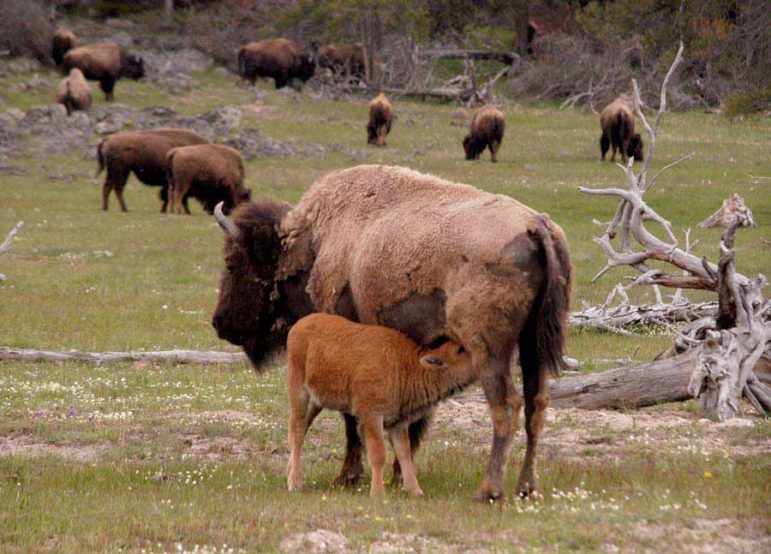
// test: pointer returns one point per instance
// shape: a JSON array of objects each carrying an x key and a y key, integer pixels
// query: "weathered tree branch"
[
  {"x": 171, "y": 356},
  {"x": 6, "y": 245}
]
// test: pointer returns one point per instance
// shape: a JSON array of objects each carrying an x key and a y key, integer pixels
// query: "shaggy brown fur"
[
  {"x": 617, "y": 124},
  {"x": 141, "y": 152},
  {"x": 381, "y": 116},
  {"x": 278, "y": 58},
  {"x": 379, "y": 375},
  {"x": 210, "y": 173},
  {"x": 73, "y": 92},
  {"x": 105, "y": 62},
  {"x": 64, "y": 40},
  {"x": 430, "y": 258},
  {"x": 487, "y": 129},
  {"x": 345, "y": 59}
]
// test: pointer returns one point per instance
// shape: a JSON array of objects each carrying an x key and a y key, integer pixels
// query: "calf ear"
[{"x": 431, "y": 362}]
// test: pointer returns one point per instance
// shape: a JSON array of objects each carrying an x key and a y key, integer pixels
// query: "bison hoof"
[
  {"x": 488, "y": 493},
  {"x": 527, "y": 490},
  {"x": 347, "y": 480}
]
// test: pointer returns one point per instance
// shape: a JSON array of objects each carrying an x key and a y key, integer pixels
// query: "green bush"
[{"x": 742, "y": 103}]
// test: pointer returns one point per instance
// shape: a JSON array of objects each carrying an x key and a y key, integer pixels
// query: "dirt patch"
[
  {"x": 703, "y": 536},
  {"x": 28, "y": 446}
]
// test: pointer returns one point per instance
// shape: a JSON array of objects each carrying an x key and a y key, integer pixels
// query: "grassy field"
[{"x": 132, "y": 457}]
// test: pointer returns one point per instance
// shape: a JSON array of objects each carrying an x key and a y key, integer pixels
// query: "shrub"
[
  {"x": 742, "y": 103},
  {"x": 25, "y": 29}
]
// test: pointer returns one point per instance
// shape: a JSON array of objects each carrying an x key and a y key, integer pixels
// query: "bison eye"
[
  {"x": 230, "y": 267},
  {"x": 461, "y": 350}
]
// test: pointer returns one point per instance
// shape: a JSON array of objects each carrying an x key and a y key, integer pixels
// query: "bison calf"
[
  {"x": 376, "y": 374},
  {"x": 73, "y": 92},
  {"x": 211, "y": 173},
  {"x": 346, "y": 60},
  {"x": 487, "y": 129},
  {"x": 381, "y": 116},
  {"x": 617, "y": 124},
  {"x": 144, "y": 154},
  {"x": 279, "y": 59},
  {"x": 63, "y": 41},
  {"x": 105, "y": 62}
]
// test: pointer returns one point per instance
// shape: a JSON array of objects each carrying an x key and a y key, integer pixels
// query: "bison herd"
[{"x": 466, "y": 282}]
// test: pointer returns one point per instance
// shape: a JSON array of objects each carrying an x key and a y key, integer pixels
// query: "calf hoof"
[
  {"x": 488, "y": 493},
  {"x": 415, "y": 492},
  {"x": 293, "y": 485}
]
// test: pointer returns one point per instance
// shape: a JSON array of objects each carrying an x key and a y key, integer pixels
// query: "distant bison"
[
  {"x": 144, "y": 153},
  {"x": 278, "y": 58},
  {"x": 617, "y": 124},
  {"x": 381, "y": 116},
  {"x": 345, "y": 59},
  {"x": 105, "y": 62},
  {"x": 73, "y": 92},
  {"x": 64, "y": 40},
  {"x": 211, "y": 173},
  {"x": 487, "y": 129}
]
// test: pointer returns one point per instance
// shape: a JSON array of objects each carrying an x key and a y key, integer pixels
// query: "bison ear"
[{"x": 431, "y": 362}]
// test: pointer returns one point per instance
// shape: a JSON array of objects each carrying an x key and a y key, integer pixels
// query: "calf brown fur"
[
  {"x": 105, "y": 62},
  {"x": 64, "y": 40},
  {"x": 487, "y": 129},
  {"x": 377, "y": 374},
  {"x": 73, "y": 92},
  {"x": 211, "y": 173},
  {"x": 617, "y": 124},
  {"x": 381, "y": 116},
  {"x": 144, "y": 154}
]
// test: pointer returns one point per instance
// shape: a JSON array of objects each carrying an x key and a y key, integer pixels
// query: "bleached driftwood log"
[
  {"x": 171, "y": 356},
  {"x": 724, "y": 366},
  {"x": 733, "y": 209},
  {"x": 6, "y": 245},
  {"x": 507, "y": 58}
]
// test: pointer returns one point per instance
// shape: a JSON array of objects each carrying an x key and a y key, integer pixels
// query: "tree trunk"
[{"x": 172, "y": 356}]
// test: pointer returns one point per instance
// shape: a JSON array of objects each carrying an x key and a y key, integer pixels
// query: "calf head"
[
  {"x": 248, "y": 312},
  {"x": 635, "y": 147},
  {"x": 450, "y": 355}
]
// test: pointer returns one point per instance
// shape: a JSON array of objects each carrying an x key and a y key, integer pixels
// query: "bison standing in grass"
[
  {"x": 278, "y": 58},
  {"x": 63, "y": 41},
  {"x": 433, "y": 259},
  {"x": 381, "y": 116},
  {"x": 210, "y": 173},
  {"x": 617, "y": 124},
  {"x": 144, "y": 154},
  {"x": 346, "y": 59},
  {"x": 105, "y": 62},
  {"x": 73, "y": 92},
  {"x": 487, "y": 129}
]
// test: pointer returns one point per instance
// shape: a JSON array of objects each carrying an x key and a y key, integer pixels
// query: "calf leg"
[
  {"x": 372, "y": 429},
  {"x": 534, "y": 385},
  {"x": 416, "y": 430},
  {"x": 302, "y": 415},
  {"x": 504, "y": 403},
  {"x": 401, "y": 441},
  {"x": 352, "y": 469}
]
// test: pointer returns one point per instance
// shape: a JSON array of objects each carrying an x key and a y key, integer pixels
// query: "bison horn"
[{"x": 226, "y": 223}]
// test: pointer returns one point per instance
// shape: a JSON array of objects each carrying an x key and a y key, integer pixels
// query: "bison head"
[
  {"x": 133, "y": 67},
  {"x": 635, "y": 147},
  {"x": 307, "y": 67},
  {"x": 472, "y": 146},
  {"x": 247, "y": 313}
]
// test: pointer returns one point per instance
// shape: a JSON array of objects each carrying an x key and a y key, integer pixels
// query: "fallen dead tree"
[
  {"x": 723, "y": 349},
  {"x": 170, "y": 356},
  {"x": 508, "y": 58},
  {"x": 6, "y": 245}
]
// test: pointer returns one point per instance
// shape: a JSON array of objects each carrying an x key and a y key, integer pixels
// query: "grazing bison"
[
  {"x": 381, "y": 116},
  {"x": 73, "y": 92},
  {"x": 433, "y": 259},
  {"x": 211, "y": 173},
  {"x": 277, "y": 58},
  {"x": 63, "y": 41},
  {"x": 105, "y": 62},
  {"x": 346, "y": 59},
  {"x": 144, "y": 153},
  {"x": 486, "y": 131},
  {"x": 617, "y": 124}
]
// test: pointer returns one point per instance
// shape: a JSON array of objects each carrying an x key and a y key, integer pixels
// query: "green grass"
[{"x": 105, "y": 450}]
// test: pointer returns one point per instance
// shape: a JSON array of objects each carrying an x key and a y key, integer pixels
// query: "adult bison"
[
  {"x": 105, "y": 62},
  {"x": 433, "y": 259},
  {"x": 617, "y": 124},
  {"x": 277, "y": 58},
  {"x": 210, "y": 173},
  {"x": 346, "y": 60},
  {"x": 144, "y": 154},
  {"x": 63, "y": 41}
]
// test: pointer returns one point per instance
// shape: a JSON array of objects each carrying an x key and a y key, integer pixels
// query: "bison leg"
[
  {"x": 604, "y": 146},
  {"x": 504, "y": 403},
  {"x": 352, "y": 469},
  {"x": 115, "y": 180},
  {"x": 186, "y": 207},
  {"x": 107, "y": 84},
  {"x": 494, "y": 146},
  {"x": 372, "y": 429},
  {"x": 613, "y": 154},
  {"x": 119, "y": 195},
  {"x": 164, "y": 196},
  {"x": 534, "y": 385}
]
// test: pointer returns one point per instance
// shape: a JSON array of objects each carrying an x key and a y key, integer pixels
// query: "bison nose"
[{"x": 216, "y": 321}]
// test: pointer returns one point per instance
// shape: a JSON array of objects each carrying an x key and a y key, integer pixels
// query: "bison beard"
[{"x": 387, "y": 245}]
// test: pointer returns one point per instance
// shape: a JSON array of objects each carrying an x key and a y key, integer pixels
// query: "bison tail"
[
  {"x": 546, "y": 327},
  {"x": 100, "y": 158}
]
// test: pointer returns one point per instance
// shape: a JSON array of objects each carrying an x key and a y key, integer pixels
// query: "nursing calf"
[{"x": 377, "y": 374}]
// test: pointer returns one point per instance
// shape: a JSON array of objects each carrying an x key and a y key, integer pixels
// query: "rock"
[
  {"x": 36, "y": 83},
  {"x": 41, "y": 119},
  {"x": 122, "y": 38},
  {"x": 224, "y": 73},
  {"x": 108, "y": 127},
  {"x": 252, "y": 144},
  {"x": 315, "y": 542},
  {"x": 22, "y": 65},
  {"x": 223, "y": 119}
]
